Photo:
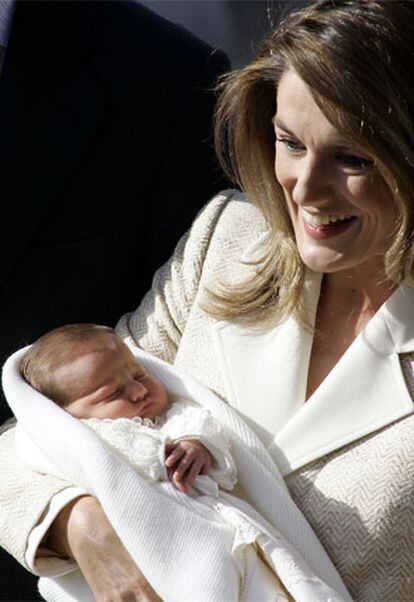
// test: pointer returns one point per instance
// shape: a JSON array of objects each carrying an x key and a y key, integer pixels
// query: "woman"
[{"x": 298, "y": 308}]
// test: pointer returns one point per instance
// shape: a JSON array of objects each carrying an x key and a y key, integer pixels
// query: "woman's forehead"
[{"x": 298, "y": 114}]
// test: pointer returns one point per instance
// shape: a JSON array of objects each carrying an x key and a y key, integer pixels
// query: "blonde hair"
[
  {"x": 357, "y": 58},
  {"x": 55, "y": 349}
]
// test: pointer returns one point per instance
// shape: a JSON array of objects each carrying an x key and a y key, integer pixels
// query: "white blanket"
[{"x": 156, "y": 522}]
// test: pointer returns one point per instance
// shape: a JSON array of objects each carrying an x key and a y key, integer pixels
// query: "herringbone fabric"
[{"x": 360, "y": 502}]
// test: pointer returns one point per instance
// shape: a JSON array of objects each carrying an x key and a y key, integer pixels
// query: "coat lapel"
[
  {"x": 364, "y": 392},
  {"x": 268, "y": 369},
  {"x": 49, "y": 110}
]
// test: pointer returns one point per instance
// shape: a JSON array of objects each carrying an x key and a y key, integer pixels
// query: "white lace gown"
[{"x": 142, "y": 442}]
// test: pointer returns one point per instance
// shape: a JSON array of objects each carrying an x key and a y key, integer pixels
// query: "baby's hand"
[{"x": 185, "y": 461}]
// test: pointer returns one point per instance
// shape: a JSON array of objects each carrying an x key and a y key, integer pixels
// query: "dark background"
[{"x": 236, "y": 26}]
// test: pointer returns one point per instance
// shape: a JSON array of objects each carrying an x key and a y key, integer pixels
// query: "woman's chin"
[{"x": 324, "y": 262}]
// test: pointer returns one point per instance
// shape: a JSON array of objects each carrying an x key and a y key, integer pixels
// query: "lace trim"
[
  {"x": 142, "y": 441},
  {"x": 147, "y": 422},
  {"x": 137, "y": 441},
  {"x": 185, "y": 420}
]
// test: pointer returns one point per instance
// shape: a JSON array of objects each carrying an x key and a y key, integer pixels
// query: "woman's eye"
[
  {"x": 290, "y": 145},
  {"x": 354, "y": 161}
]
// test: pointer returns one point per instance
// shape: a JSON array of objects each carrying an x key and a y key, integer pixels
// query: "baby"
[
  {"x": 91, "y": 373},
  {"x": 218, "y": 546}
]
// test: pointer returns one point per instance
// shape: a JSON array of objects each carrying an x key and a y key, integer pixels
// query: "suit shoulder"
[{"x": 130, "y": 26}]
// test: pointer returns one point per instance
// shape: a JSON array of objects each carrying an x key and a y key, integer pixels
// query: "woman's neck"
[
  {"x": 354, "y": 295},
  {"x": 347, "y": 302}
]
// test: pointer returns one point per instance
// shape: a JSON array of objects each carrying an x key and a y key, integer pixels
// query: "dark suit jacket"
[{"x": 105, "y": 158}]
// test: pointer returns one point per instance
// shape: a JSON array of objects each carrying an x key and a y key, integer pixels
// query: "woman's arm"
[
  {"x": 83, "y": 532},
  {"x": 24, "y": 498}
]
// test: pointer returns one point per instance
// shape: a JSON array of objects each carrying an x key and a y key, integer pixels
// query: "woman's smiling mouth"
[{"x": 325, "y": 226}]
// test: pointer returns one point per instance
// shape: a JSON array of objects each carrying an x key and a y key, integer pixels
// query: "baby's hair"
[{"x": 55, "y": 349}]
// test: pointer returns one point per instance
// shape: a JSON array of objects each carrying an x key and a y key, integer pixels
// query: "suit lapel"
[
  {"x": 364, "y": 392},
  {"x": 49, "y": 110}
]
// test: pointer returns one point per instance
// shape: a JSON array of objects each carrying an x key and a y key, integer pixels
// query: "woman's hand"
[{"x": 82, "y": 531}]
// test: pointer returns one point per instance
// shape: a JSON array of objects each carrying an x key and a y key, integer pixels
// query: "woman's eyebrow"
[
  {"x": 339, "y": 144},
  {"x": 280, "y": 124}
]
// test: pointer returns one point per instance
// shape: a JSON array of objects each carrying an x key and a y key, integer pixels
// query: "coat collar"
[{"x": 364, "y": 392}]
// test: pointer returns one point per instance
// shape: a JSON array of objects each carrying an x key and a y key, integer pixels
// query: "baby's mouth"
[{"x": 143, "y": 405}]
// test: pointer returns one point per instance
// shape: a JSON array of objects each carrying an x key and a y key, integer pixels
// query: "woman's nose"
[
  {"x": 312, "y": 184},
  {"x": 137, "y": 391}
]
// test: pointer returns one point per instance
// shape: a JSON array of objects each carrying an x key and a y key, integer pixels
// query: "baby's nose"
[{"x": 137, "y": 391}]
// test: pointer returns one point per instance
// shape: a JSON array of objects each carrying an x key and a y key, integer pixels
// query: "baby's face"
[{"x": 109, "y": 383}]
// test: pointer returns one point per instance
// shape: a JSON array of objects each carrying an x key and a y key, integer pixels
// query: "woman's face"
[{"x": 343, "y": 213}]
